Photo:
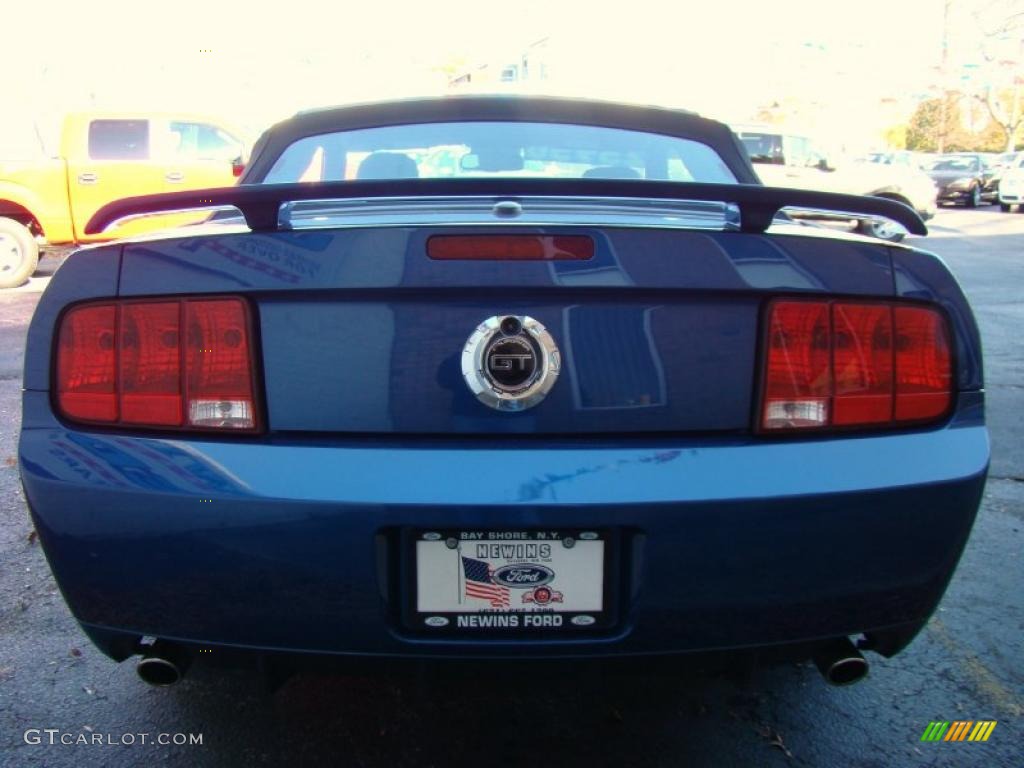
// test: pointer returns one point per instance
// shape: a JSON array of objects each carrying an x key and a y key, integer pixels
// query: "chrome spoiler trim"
[{"x": 536, "y": 210}]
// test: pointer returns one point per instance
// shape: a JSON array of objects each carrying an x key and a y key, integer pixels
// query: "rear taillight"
[
  {"x": 854, "y": 364},
  {"x": 175, "y": 364}
]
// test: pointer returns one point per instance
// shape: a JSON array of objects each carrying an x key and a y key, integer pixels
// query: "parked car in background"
[
  {"x": 1006, "y": 160},
  {"x": 968, "y": 178},
  {"x": 901, "y": 157},
  {"x": 581, "y": 395},
  {"x": 1001, "y": 164},
  {"x": 1011, "y": 184},
  {"x": 104, "y": 157},
  {"x": 791, "y": 159}
]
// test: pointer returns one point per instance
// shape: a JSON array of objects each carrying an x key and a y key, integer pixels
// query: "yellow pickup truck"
[{"x": 105, "y": 157}]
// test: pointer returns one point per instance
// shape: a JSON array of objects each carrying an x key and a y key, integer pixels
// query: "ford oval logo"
[
  {"x": 436, "y": 621},
  {"x": 523, "y": 576},
  {"x": 583, "y": 621}
]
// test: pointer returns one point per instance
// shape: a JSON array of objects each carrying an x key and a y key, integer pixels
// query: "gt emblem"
[
  {"x": 510, "y": 362},
  {"x": 507, "y": 362}
]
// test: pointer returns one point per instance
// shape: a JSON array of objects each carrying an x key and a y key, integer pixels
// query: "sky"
[{"x": 252, "y": 66}]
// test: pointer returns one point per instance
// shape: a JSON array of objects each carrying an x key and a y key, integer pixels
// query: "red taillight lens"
[
  {"x": 150, "y": 365},
  {"x": 510, "y": 247},
  {"x": 178, "y": 364},
  {"x": 219, "y": 373},
  {"x": 798, "y": 377},
  {"x": 87, "y": 363},
  {"x": 923, "y": 375},
  {"x": 862, "y": 363},
  {"x": 846, "y": 363}
]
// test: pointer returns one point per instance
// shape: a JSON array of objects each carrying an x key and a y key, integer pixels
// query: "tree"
[
  {"x": 1002, "y": 48},
  {"x": 926, "y": 131},
  {"x": 1006, "y": 111},
  {"x": 931, "y": 125},
  {"x": 770, "y": 114},
  {"x": 896, "y": 136}
]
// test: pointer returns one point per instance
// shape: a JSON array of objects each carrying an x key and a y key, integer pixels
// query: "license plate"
[{"x": 511, "y": 580}]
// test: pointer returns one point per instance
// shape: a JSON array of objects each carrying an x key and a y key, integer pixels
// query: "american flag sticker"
[{"x": 478, "y": 583}]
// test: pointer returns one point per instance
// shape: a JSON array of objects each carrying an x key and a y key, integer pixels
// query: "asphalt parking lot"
[{"x": 967, "y": 665}]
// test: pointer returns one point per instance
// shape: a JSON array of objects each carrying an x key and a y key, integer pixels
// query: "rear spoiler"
[{"x": 260, "y": 204}]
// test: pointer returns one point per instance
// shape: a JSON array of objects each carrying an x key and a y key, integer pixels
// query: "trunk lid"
[{"x": 362, "y": 332}]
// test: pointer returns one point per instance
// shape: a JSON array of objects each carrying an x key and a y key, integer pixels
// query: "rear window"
[
  {"x": 119, "y": 139},
  {"x": 497, "y": 149}
]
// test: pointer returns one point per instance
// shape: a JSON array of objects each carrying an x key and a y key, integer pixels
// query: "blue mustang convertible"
[{"x": 502, "y": 378}]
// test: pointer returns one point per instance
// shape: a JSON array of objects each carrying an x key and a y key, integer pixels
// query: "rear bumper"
[{"x": 294, "y": 546}]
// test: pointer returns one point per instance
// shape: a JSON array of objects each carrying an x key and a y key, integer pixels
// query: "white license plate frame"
[{"x": 511, "y": 581}]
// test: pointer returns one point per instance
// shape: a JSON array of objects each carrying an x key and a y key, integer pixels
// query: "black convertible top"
[{"x": 537, "y": 109}]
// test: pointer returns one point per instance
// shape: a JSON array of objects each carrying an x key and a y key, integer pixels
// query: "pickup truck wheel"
[
  {"x": 19, "y": 253},
  {"x": 881, "y": 229}
]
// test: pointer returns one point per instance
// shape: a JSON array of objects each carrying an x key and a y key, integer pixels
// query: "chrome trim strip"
[
  {"x": 837, "y": 214},
  {"x": 443, "y": 211}
]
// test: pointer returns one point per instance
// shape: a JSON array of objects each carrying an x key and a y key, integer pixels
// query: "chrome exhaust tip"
[
  {"x": 162, "y": 665},
  {"x": 840, "y": 663}
]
